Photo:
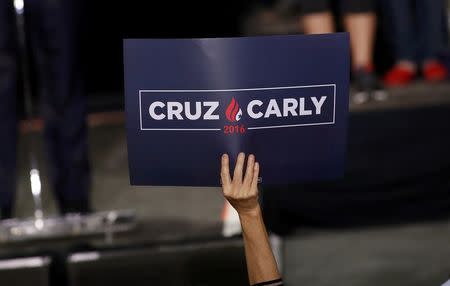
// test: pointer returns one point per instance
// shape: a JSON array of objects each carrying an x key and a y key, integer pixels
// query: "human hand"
[{"x": 241, "y": 191}]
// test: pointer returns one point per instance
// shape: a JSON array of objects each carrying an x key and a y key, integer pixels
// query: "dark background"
[{"x": 108, "y": 24}]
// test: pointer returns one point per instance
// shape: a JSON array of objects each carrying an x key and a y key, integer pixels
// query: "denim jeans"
[{"x": 417, "y": 28}]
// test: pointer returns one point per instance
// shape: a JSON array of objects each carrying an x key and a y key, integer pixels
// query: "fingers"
[
  {"x": 225, "y": 172},
  {"x": 237, "y": 176},
  {"x": 255, "y": 176},
  {"x": 249, "y": 172}
]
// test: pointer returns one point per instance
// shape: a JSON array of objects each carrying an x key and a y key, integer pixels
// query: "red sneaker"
[
  {"x": 434, "y": 71},
  {"x": 399, "y": 76}
]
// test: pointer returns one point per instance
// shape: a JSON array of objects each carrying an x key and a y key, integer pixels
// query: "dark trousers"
[
  {"x": 54, "y": 33},
  {"x": 416, "y": 28}
]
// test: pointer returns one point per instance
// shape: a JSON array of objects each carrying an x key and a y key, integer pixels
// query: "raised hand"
[{"x": 241, "y": 190}]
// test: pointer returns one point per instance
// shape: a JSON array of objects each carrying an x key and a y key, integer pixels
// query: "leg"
[
  {"x": 64, "y": 104},
  {"x": 361, "y": 27},
  {"x": 316, "y": 17},
  {"x": 430, "y": 14},
  {"x": 401, "y": 23},
  {"x": 402, "y": 28},
  {"x": 360, "y": 21},
  {"x": 8, "y": 116},
  {"x": 318, "y": 23}
]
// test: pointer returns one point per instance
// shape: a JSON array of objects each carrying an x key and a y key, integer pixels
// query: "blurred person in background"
[
  {"x": 360, "y": 21},
  {"x": 416, "y": 27},
  {"x": 54, "y": 33}
]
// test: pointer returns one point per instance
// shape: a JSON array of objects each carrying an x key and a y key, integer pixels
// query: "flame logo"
[{"x": 233, "y": 112}]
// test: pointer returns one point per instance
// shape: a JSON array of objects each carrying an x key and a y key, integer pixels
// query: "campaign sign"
[{"x": 282, "y": 98}]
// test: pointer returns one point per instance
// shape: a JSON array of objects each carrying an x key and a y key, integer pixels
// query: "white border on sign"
[{"x": 233, "y": 90}]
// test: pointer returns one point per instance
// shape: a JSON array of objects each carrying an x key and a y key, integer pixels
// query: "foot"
[
  {"x": 434, "y": 71},
  {"x": 367, "y": 86},
  {"x": 401, "y": 74},
  {"x": 379, "y": 93}
]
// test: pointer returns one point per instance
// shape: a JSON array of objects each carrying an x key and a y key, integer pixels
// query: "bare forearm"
[
  {"x": 242, "y": 193},
  {"x": 261, "y": 263}
]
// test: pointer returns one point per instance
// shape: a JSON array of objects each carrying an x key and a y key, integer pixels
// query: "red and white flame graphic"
[{"x": 233, "y": 112}]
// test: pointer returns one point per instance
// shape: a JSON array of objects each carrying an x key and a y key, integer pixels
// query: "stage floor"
[{"x": 414, "y": 254}]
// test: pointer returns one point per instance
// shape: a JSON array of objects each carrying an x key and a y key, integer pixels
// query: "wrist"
[{"x": 250, "y": 213}]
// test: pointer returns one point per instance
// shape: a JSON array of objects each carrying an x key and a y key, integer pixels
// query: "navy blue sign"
[{"x": 282, "y": 98}]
